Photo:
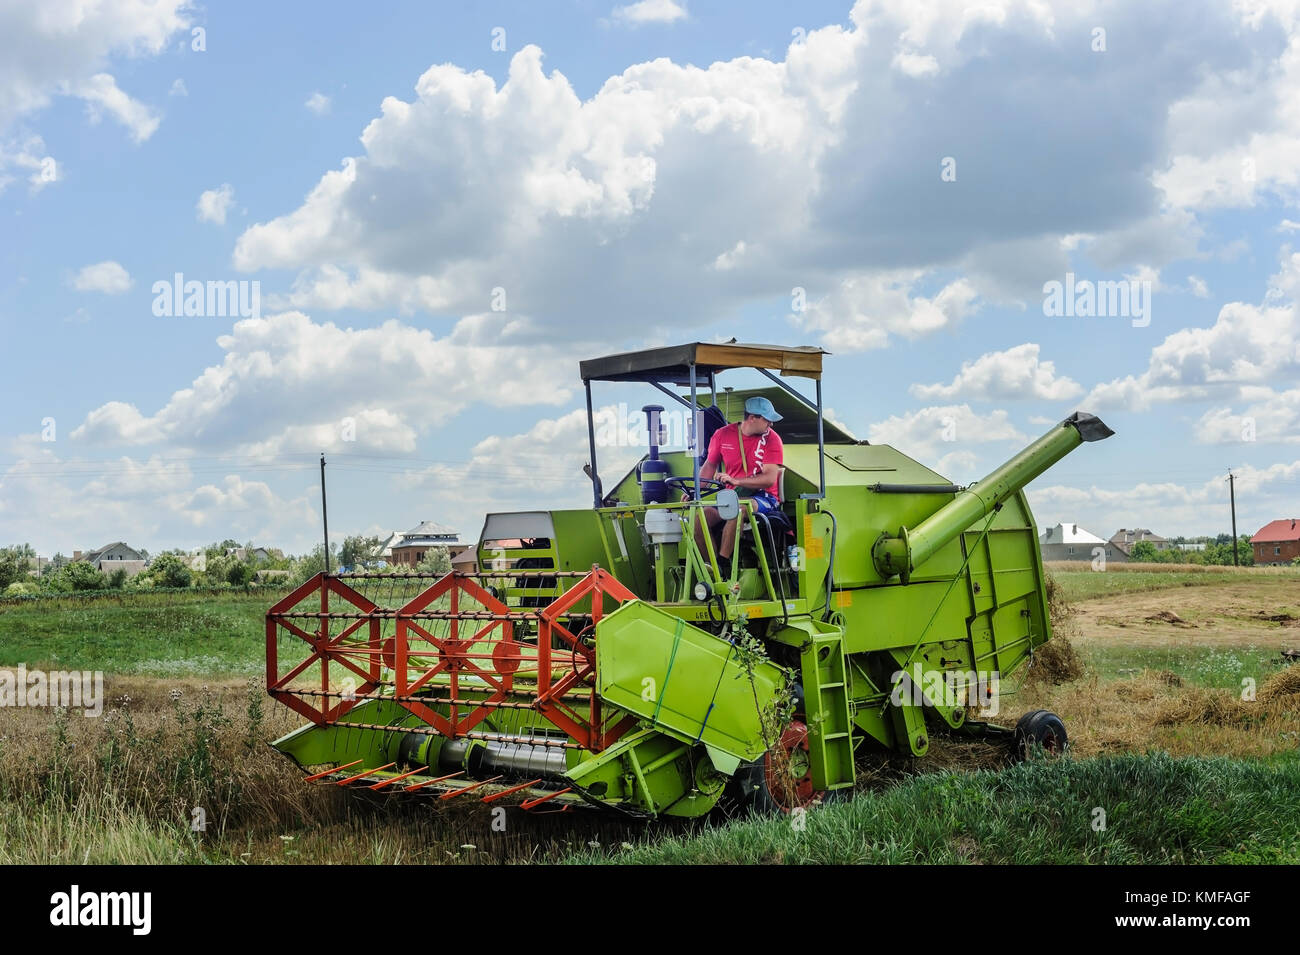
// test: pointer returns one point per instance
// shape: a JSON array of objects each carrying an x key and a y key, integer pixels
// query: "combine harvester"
[{"x": 603, "y": 656}]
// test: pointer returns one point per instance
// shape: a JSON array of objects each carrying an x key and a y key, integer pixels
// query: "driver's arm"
[
  {"x": 764, "y": 478},
  {"x": 708, "y": 469}
]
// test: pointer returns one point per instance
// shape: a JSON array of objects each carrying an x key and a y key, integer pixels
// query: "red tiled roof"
[{"x": 1275, "y": 532}]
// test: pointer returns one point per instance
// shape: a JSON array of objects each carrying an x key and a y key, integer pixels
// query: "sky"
[{"x": 410, "y": 221}]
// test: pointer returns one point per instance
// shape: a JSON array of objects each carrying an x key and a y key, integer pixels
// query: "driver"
[{"x": 750, "y": 454}]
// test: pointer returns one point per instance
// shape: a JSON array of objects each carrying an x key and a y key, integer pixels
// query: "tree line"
[
  {"x": 1217, "y": 551},
  {"x": 177, "y": 569}
]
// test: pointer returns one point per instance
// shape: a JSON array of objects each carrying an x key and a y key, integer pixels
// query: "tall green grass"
[
  {"x": 1158, "y": 810},
  {"x": 176, "y": 634}
]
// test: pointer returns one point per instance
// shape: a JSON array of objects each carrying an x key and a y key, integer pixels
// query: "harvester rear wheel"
[{"x": 1040, "y": 728}]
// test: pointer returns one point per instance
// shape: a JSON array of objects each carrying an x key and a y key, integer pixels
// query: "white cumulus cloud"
[
  {"x": 927, "y": 433},
  {"x": 49, "y": 50},
  {"x": 468, "y": 185},
  {"x": 1247, "y": 347},
  {"x": 649, "y": 11},
  {"x": 1010, "y": 375},
  {"x": 102, "y": 95},
  {"x": 265, "y": 396},
  {"x": 213, "y": 204},
  {"x": 107, "y": 277}
]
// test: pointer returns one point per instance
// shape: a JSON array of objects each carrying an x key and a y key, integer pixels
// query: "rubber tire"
[
  {"x": 1040, "y": 728},
  {"x": 750, "y": 793}
]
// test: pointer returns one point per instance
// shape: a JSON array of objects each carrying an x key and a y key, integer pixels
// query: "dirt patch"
[
  {"x": 1225, "y": 614},
  {"x": 1283, "y": 618},
  {"x": 1168, "y": 616}
]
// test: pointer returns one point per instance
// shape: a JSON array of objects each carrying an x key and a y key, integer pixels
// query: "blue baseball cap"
[{"x": 761, "y": 406}]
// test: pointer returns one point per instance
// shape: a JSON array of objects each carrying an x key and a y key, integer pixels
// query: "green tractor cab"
[{"x": 610, "y": 656}]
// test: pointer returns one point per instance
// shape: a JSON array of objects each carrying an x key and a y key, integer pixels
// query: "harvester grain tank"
[{"x": 607, "y": 656}]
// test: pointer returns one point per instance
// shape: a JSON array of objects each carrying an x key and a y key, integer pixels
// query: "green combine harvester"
[{"x": 609, "y": 657}]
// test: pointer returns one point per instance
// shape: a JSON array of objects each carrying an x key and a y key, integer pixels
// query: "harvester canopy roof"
[{"x": 671, "y": 365}]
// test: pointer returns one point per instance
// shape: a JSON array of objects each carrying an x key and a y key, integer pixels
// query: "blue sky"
[{"x": 627, "y": 175}]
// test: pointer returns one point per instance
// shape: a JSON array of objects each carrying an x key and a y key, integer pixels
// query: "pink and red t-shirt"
[{"x": 760, "y": 449}]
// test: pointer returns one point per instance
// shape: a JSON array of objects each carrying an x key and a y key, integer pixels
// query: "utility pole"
[
  {"x": 325, "y": 515},
  {"x": 1232, "y": 498}
]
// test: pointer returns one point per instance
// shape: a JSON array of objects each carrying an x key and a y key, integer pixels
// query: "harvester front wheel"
[
  {"x": 1040, "y": 729},
  {"x": 780, "y": 781}
]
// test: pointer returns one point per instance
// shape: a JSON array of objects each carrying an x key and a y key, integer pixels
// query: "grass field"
[
  {"x": 221, "y": 635},
  {"x": 1161, "y": 741},
  {"x": 154, "y": 634},
  {"x": 1157, "y": 810},
  {"x": 1081, "y": 582}
]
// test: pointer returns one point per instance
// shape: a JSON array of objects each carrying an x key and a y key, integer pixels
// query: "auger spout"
[{"x": 911, "y": 547}]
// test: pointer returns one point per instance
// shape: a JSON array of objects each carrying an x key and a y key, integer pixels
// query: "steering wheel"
[{"x": 687, "y": 485}]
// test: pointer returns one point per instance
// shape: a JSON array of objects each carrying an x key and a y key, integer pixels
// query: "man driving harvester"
[{"x": 751, "y": 456}]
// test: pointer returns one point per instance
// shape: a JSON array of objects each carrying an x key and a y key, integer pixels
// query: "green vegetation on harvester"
[
  {"x": 159, "y": 634},
  {"x": 1158, "y": 810}
]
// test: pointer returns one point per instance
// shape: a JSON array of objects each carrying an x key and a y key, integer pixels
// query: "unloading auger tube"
[{"x": 911, "y": 547}]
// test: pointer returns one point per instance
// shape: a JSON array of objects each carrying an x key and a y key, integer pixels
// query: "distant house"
[
  {"x": 1277, "y": 542},
  {"x": 1191, "y": 546},
  {"x": 1071, "y": 542},
  {"x": 255, "y": 554},
  {"x": 113, "y": 557},
  {"x": 385, "y": 550},
  {"x": 1124, "y": 539},
  {"x": 418, "y": 541},
  {"x": 466, "y": 561}
]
